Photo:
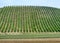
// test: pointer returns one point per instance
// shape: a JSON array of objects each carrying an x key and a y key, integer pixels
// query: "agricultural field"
[{"x": 29, "y": 22}]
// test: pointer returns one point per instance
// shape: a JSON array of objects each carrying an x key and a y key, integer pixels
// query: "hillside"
[{"x": 29, "y": 19}]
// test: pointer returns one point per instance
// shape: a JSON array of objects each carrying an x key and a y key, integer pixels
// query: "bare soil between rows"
[{"x": 46, "y": 40}]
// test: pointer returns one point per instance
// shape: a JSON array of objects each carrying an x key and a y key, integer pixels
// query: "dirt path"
[{"x": 48, "y": 40}]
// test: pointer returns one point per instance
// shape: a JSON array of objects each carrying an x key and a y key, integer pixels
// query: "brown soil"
[{"x": 48, "y": 40}]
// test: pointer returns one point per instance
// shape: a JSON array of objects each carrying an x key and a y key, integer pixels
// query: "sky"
[{"x": 50, "y": 3}]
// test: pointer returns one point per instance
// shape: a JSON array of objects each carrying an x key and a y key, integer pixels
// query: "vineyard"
[{"x": 29, "y": 19}]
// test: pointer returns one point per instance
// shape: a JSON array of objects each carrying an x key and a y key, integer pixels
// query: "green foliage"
[{"x": 29, "y": 19}]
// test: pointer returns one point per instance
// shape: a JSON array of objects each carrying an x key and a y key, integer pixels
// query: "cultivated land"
[
  {"x": 25, "y": 22},
  {"x": 55, "y": 40}
]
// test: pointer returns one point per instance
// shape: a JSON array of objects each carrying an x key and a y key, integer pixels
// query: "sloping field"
[{"x": 29, "y": 22}]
